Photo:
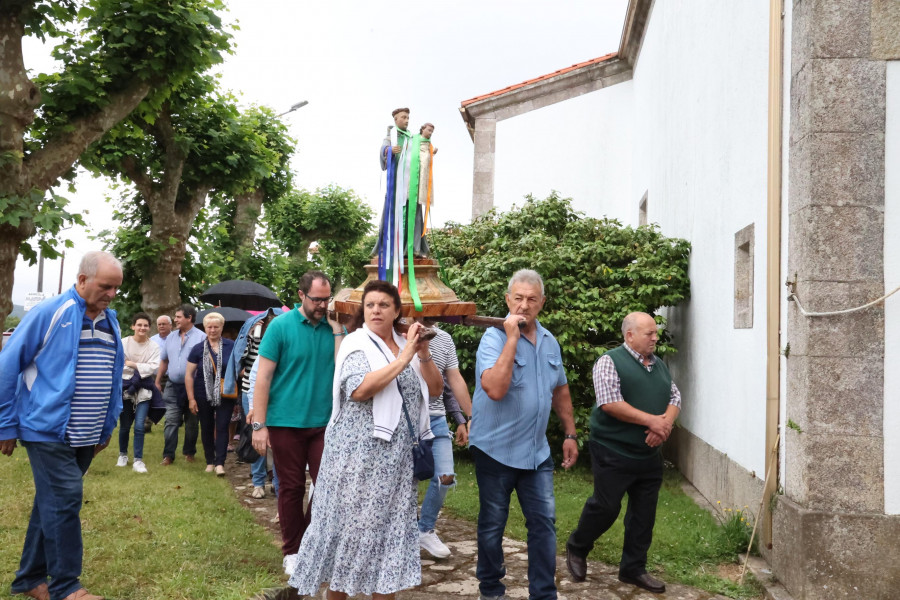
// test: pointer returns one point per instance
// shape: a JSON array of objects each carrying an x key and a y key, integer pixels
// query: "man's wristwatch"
[
  {"x": 569, "y": 436},
  {"x": 257, "y": 426}
]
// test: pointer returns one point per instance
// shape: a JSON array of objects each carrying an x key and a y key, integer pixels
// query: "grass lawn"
[
  {"x": 689, "y": 544},
  {"x": 174, "y": 533}
]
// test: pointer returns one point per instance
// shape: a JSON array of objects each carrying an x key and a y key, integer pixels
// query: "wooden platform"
[{"x": 439, "y": 302}]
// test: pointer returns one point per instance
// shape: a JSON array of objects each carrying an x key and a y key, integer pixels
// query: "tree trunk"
[
  {"x": 10, "y": 238},
  {"x": 247, "y": 212},
  {"x": 160, "y": 293},
  {"x": 18, "y": 101}
]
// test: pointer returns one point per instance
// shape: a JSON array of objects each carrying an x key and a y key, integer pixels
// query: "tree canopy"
[
  {"x": 595, "y": 272},
  {"x": 198, "y": 143},
  {"x": 116, "y": 57}
]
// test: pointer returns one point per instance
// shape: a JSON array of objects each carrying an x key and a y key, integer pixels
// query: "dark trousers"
[
  {"x": 292, "y": 449},
  {"x": 214, "y": 429},
  {"x": 614, "y": 476},
  {"x": 53, "y": 546},
  {"x": 177, "y": 413}
]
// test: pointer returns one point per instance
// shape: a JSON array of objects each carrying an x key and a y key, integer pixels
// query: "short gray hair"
[
  {"x": 90, "y": 263},
  {"x": 526, "y": 276},
  {"x": 166, "y": 317}
]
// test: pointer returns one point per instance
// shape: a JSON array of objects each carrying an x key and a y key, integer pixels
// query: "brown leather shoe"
[
  {"x": 39, "y": 592},
  {"x": 577, "y": 566},
  {"x": 189, "y": 458},
  {"x": 644, "y": 580},
  {"x": 82, "y": 594},
  {"x": 166, "y": 461}
]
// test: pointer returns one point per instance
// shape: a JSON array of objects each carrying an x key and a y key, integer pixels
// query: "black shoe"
[
  {"x": 644, "y": 580},
  {"x": 577, "y": 566}
]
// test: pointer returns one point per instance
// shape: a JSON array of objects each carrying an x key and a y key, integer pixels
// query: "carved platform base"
[{"x": 437, "y": 299}]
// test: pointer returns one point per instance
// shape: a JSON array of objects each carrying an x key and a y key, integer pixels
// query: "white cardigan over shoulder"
[{"x": 387, "y": 405}]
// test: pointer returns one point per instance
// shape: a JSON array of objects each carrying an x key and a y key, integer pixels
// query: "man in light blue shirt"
[
  {"x": 173, "y": 361},
  {"x": 164, "y": 327},
  {"x": 519, "y": 377}
]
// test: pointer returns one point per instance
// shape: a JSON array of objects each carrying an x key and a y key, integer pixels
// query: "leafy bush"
[{"x": 595, "y": 272}]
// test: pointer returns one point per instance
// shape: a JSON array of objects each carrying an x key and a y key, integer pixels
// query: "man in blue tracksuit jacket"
[{"x": 61, "y": 395}]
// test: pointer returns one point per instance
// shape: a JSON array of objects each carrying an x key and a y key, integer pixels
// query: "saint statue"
[{"x": 408, "y": 159}]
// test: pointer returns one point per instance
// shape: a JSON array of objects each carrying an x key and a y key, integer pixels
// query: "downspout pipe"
[{"x": 773, "y": 258}]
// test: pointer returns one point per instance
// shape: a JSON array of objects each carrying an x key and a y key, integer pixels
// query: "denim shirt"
[
  {"x": 177, "y": 353},
  {"x": 513, "y": 431}
]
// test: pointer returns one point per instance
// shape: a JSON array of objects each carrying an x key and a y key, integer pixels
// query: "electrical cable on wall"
[{"x": 793, "y": 296}]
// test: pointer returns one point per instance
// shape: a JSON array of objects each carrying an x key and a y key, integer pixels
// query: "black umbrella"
[
  {"x": 248, "y": 295},
  {"x": 231, "y": 315}
]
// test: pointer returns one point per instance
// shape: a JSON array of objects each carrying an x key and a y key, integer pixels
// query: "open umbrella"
[
  {"x": 239, "y": 293},
  {"x": 231, "y": 315}
]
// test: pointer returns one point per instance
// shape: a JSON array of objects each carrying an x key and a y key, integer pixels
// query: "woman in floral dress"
[{"x": 363, "y": 538}]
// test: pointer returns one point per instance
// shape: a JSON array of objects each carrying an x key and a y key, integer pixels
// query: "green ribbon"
[{"x": 412, "y": 202}]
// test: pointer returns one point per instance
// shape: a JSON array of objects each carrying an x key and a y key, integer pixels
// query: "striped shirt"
[
  {"x": 444, "y": 353},
  {"x": 608, "y": 387},
  {"x": 93, "y": 381},
  {"x": 250, "y": 357}
]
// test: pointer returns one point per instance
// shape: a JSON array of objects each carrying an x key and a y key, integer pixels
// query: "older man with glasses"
[{"x": 292, "y": 398}]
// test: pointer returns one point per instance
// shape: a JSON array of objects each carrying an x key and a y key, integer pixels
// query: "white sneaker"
[
  {"x": 432, "y": 544},
  {"x": 289, "y": 563},
  {"x": 123, "y": 460},
  {"x": 139, "y": 466},
  {"x": 258, "y": 492}
]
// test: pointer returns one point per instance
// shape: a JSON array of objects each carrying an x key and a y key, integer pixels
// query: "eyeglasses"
[{"x": 315, "y": 300}]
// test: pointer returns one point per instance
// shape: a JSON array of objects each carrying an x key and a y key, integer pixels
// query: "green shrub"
[{"x": 595, "y": 272}]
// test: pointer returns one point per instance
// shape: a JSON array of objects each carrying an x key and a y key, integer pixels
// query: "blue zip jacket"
[
  {"x": 240, "y": 346},
  {"x": 37, "y": 372}
]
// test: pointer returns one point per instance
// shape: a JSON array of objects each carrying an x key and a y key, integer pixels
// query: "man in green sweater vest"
[{"x": 637, "y": 404}]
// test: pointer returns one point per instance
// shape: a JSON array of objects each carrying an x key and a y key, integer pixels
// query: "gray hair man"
[
  {"x": 164, "y": 328},
  {"x": 73, "y": 337},
  {"x": 519, "y": 378}
]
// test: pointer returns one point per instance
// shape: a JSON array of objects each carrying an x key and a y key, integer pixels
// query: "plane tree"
[
  {"x": 115, "y": 56},
  {"x": 198, "y": 145}
]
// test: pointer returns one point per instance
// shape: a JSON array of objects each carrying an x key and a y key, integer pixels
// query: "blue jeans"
[
  {"x": 53, "y": 546},
  {"x": 130, "y": 415},
  {"x": 258, "y": 468},
  {"x": 177, "y": 412},
  {"x": 442, "y": 449},
  {"x": 534, "y": 489}
]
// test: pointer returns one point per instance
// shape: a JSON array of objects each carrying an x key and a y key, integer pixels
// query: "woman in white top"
[{"x": 141, "y": 358}]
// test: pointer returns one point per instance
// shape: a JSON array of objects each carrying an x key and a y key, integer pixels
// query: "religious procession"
[{"x": 627, "y": 335}]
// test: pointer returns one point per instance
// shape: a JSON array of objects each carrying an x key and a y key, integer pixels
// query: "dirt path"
[{"x": 454, "y": 577}]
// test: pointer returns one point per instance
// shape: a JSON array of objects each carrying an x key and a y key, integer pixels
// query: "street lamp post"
[{"x": 300, "y": 104}]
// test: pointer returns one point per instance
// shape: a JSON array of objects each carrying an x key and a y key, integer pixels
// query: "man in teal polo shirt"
[
  {"x": 292, "y": 398},
  {"x": 637, "y": 404}
]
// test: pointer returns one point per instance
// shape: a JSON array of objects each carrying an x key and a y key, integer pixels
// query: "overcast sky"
[{"x": 354, "y": 62}]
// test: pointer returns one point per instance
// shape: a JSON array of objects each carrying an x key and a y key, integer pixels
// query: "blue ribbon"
[{"x": 386, "y": 247}]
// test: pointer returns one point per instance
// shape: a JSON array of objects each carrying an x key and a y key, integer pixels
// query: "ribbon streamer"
[{"x": 412, "y": 202}]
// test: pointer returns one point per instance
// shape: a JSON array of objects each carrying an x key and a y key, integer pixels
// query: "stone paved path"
[{"x": 454, "y": 577}]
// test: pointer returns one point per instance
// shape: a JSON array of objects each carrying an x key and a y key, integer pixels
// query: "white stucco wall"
[
  {"x": 892, "y": 304},
  {"x": 690, "y": 130},
  {"x": 699, "y": 148},
  {"x": 580, "y": 148}
]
